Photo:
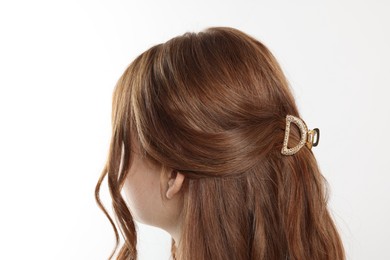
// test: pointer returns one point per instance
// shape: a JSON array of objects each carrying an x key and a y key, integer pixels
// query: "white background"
[{"x": 60, "y": 60}]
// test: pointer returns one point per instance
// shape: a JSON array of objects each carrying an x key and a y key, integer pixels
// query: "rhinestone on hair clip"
[{"x": 307, "y": 137}]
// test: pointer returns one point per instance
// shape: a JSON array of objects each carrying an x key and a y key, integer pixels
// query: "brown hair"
[{"x": 212, "y": 105}]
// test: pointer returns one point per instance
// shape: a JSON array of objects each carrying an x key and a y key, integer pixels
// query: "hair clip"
[{"x": 307, "y": 137}]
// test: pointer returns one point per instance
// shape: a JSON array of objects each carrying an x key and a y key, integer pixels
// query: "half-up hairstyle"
[{"x": 212, "y": 105}]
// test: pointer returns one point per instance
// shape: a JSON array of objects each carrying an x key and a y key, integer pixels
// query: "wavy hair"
[{"x": 212, "y": 105}]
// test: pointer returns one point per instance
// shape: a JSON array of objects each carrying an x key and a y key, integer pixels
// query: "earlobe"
[{"x": 175, "y": 183}]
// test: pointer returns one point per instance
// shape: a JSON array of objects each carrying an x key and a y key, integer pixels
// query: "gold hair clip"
[{"x": 307, "y": 137}]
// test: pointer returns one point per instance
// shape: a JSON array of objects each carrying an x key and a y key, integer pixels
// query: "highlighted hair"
[{"x": 213, "y": 105}]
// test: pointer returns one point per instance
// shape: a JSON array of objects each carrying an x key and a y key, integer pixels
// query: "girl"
[{"x": 207, "y": 144}]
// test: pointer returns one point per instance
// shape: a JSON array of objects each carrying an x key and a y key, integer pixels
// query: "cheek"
[{"x": 142, "y": 189}]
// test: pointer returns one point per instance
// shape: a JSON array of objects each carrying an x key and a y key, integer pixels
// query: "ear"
[{"x": 175, "y": 182}]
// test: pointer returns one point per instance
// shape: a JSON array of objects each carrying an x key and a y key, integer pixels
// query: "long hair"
[{"x": 212, "y": 105}]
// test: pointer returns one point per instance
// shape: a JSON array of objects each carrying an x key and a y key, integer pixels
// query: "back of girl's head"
[{"x": 212, "y": 106}]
